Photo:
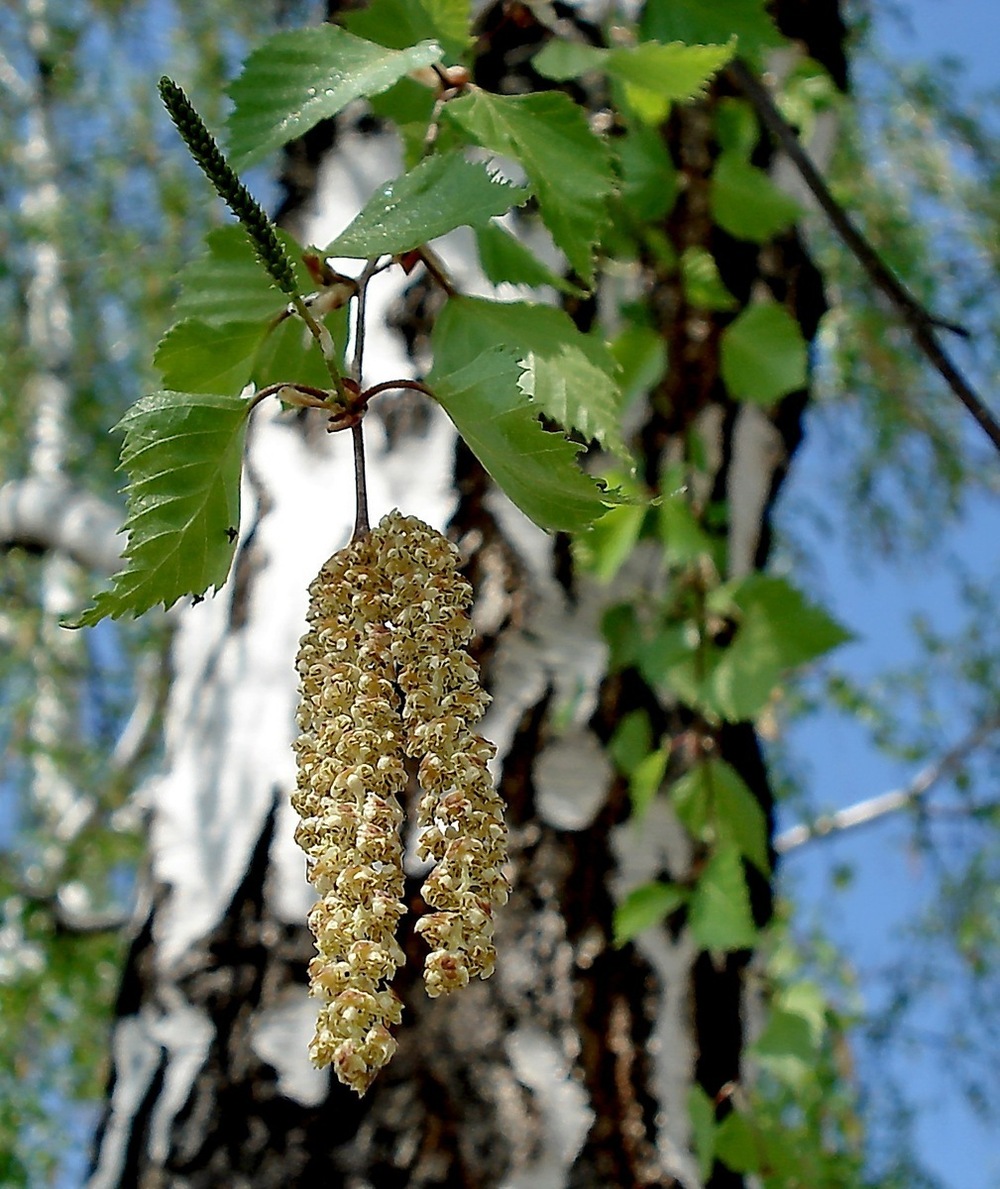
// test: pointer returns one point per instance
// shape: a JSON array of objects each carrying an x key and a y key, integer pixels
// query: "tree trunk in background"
[{"x": 571, "y": 1066}]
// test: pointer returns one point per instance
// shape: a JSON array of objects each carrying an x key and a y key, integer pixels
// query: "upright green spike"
[{"x": 220, "y": 173}]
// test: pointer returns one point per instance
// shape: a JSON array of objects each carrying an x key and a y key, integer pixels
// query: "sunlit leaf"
[
  {"x": 569, "y": 168},
  {"x": 298, "y": 77},
  {"x": 570, "y": 375},
  {"x": 764, "y": 356},
  {"x": 644, "y": 906},
  {"x": 538, "y": 470},
  {"x": 183, "y": 454},
  {"x": 441, "y": 193}
]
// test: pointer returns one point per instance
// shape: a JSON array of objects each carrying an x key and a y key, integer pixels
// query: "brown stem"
[
  {"x": 361, "y": 524},
  {"x": 435, "y": 266},
  {"x": 921, "y": 324},
  {"x": 388, "y": 385}
]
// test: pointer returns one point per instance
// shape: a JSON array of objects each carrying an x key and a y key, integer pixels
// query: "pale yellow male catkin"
[{"x": 385, "y": 674}]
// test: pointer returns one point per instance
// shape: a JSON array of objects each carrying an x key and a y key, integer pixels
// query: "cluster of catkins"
[{"x": 384, "y": 675}]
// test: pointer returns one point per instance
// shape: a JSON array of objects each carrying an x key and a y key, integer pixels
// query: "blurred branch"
[
  {"x": 48, "y": 514},
  {"x": 922, "y": 324},
  {"x": 863, "y": 813}
]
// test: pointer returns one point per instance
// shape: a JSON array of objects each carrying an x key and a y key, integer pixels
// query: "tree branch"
[
  {"x": 50, "y": 515},
  {"x": 863, "y": 813},
  {"x": 922, "y": 324}
]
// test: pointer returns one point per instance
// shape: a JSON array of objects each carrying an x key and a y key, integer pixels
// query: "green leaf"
[
  {"x": 301, "y": 76},
  {"x": 609, "y": 542},
  {"x": 649, "y": 183},
  {"x": 702, "y": 1112},
  {"x": 228, "y": 285},
  {"x": 787, "y": 1046},
  {"x": 641, "y": 354},
  {"x": 537, "y": 470},
  {"x": 409, "y": 106},
  {"x": 736, "y": 1145},
  {"x": 401, "y": 23},
  {"x": 715, "y": 805},
  {"x": 231, "y": 329},
  {"x": 670, "y": 645},
  {"x": 646, "y": 780},
  {"x": 504, "y": 258},
  {"x": 684, "y": 540},
  {"x": 569, "y": 375},
  {"x": 631, "y": 742},
  {"x": 183, "y": 453},
  {"x": 569, "y": 168},
  {"x": 620, "y": 628},
  {"x": 764, "y": 356},
  {"x": 644, "y": 906},
  {"x": 779, "y": 629},
  {"x": 703, "y": 286},
  {"x": 653, "y": 75},
  {"x": 736, "y": 127},
  {"x": 195, "y": 356},
  {"x": 694, "y": 21},
  {"x": 720, "y": 917},
  {"x": 746, "y": 203},
  {"x": 289, "y": 352},
  {"x": 441, "y": 193}
]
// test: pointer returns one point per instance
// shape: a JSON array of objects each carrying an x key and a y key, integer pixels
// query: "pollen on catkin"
[{"x": 384, "y": 674}]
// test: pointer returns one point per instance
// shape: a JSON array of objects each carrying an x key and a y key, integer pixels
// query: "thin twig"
[
  {"x": 361, "y": 524},
  {"x": 863, "y": 813},
  {"x": 435, "y": 266},
  {"x": 921, "y": 323},
  {"x": 326, "y": 344},
  {"x": 370, "y": 269},
  {"x": 389, "y": 385}
]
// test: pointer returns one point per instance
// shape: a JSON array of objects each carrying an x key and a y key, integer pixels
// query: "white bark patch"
[
  {"x": 572, "y": 776},
  {"x": 651, "y": 848},
  {"x": 186, "y": 1034},
  {"x": 562, "y": 1105},
  {"x": 281, "y": 1036},
  {"x": 758, "y": 449},
  {"x": 136, "y": 1056}
]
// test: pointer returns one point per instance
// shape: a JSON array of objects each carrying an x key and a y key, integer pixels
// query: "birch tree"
[{"x": 560, "y": 306}]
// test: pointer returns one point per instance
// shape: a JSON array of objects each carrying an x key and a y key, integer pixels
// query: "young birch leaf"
[
  {"x": 536, "y": 469},
  {"x": 779, "y": 629},
  {"x": 569, "y": 168},
  {"x": 441, "y": 193},
  {"x": 400, "y": 23},
  {"x": 713, "y": 802},
  {"x": 764, "y": 356},
  {"x": 644, "y": 906},
  {"x": 570, "y": 375},
  {"x": 504, "y": 258},
  {"x": 227, "y": 284},
  {"x": 301, "y": 76},
  {"x": 654, "y": 75},
  {"x": 193, "y": 355},
  {"x": 183, "y": 454},
  {"x": 720, "y": 907},
  {"x": 693, "y": 22},
  {"x": 746, "y": 203}
]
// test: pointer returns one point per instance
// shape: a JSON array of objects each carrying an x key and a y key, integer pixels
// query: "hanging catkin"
[{"x": 385, "y": 674}]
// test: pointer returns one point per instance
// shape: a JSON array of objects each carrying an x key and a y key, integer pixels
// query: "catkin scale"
[{"x": 385, "y": 675}]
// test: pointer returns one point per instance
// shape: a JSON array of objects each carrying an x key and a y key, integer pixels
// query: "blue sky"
[{"x": 875, "y": 599}]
